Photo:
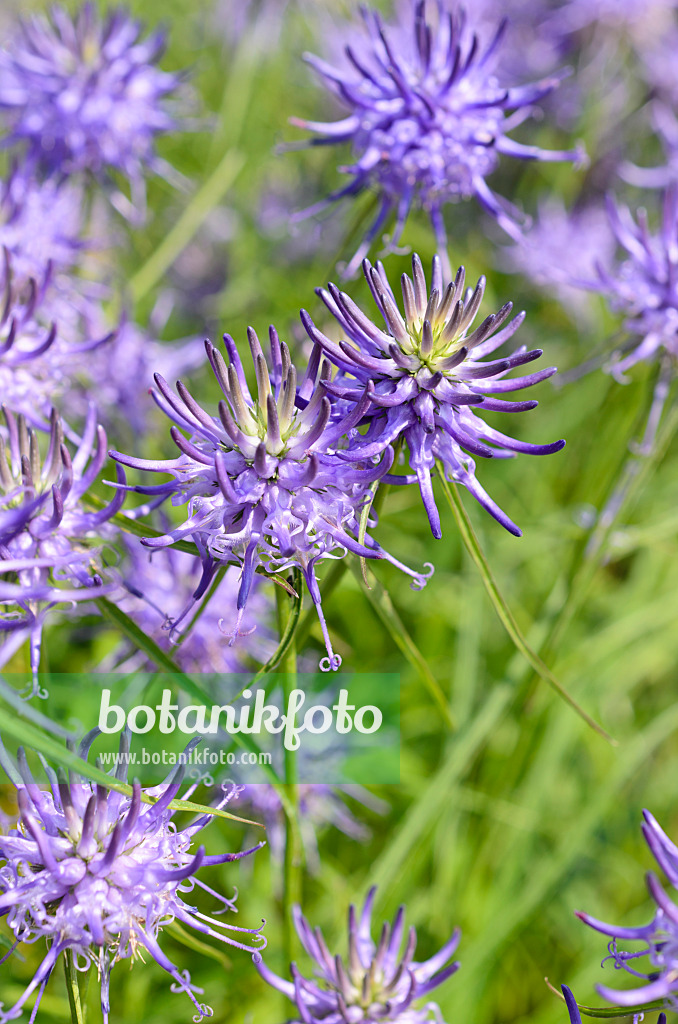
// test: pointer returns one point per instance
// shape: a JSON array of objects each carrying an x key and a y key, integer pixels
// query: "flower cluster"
[
  {"x": 48, "y": 537},
  {"x": 99, "y": 874},
  {"x": 659, "y": 937},
  {"x": 263, "y": 481},
  {"x": 376, "y": 982},
  {"x": 428, "y": 118},
  {"x": 643, "y": 286},
  {"x": 424, "y": 375},
  {"x": 85, "y": 94}
]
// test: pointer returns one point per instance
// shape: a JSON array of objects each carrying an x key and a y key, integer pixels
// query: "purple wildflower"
[
  {"x": 660, "y": 936},
  {"x": 375, "y": 983},
  {"x": 48, "y": 551},
  {"x": 99, "y": 874},
  {"x": 85, "y": 94},
  {"x": 426, "y": 373},
  {"x": 644, "y": 286},
  {"x": 161, "y": 584},
  {"x": 262, "y": 480},
  {"x": 539, "y": 253},
  {"x": 428, "y": 119}
]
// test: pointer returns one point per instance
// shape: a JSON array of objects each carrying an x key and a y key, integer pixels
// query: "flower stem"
[
  {"x": 500, "y": 606},
  {"x": 76, "y": 986},
  {"x": 292, "y": 866}
]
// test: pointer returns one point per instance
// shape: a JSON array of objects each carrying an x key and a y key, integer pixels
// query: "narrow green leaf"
[
  {"x": 500, "y": 606},
  {"x": 288, "y": 636},
  {"x": 382, "y": 604},
  {"x": 34, "y": 739}
]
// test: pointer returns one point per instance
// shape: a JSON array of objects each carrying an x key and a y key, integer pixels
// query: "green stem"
[
  {"x": 500, "y": 606},
  {"x": 190, "y": 221},
  {"x": 76, "y": 986},
  {"x": 292, "y": 865}
]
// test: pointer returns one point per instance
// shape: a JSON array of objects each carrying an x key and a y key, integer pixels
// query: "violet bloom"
[
  {"x": 539, "y": 254},
  {"x": 48, "y": 537},
  {"x": 99, "y": 874},
  {"x": 427, "y": 376},
  {"x": 85, "y": 94},
  {"x": 161, "y": 583},
  {"x": 645, "y": 285},
  {"x": 427, "y": 118},
  {"x": 262, "y": 481},
  {"x": 659, "y": 937},
  {"x": 375, "y": 983}
]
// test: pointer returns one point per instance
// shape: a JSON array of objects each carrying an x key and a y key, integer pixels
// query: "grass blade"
[{"x": 500, "y": 606}]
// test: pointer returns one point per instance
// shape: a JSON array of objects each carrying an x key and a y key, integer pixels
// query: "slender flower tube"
[
  {"x": 263, "y": 481},
  {"x": 100, "y": 874},
  {"x": 428, "y": 119},
  {"x": 659, "y": 937},
  {"x": 425, "y": 376},
  {"x": 48, "y": 539},
  {"x": 376, "y": 982}
]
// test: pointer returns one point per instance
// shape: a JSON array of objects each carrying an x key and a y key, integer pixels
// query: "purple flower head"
[
  {"x": 262, "y": 481},
  {"x": 99, "y": 874},
  {"x": 656, "y": 965},
  {"x": 645, "y": 285},
  {"x": 427, "y": 119},
  {"x": 376, "y": 982},
  {"x": 539, "y": 253},
  {"x": 48, "y": 538},
  {"x": 427, "y": 375},
  {"x": 84, "y": 94},
  {"x": 161, "y": 585}
]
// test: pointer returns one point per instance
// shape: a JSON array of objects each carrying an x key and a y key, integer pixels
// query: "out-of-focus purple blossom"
[
  {"x": 162, "y": 583},
  {"x": 644, "y": 286},
  {"x": 545, "y": 253},
  {"x": 374, "y": 983},
  {"x": 84, "y": 94},
  {"x": 48, "y": 537},
  {"x": 665, "y": 124},
  {"x": 428, "y": 118},
  {"x": 262, "y": 481},
  {"x": 656, "y": 964},
  {"x": 98, "y": 874},
  {"x": 427, "y": 376},
  {"x": 124, "y": 367},
  {"x": 319, "y": 804},
  {"x": 644, "y": 16}
]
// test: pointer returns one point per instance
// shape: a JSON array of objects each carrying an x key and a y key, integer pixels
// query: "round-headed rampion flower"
[
  {"x": 660, "y": 936},
  {"x": 375, "y": 983},
  {"x": 645, "y": 285},
  {"x": 99, "y": 874},
  {"x": 84, "y": 94},
  {"x": 262, "y": 480},
  {"x": 428, "y": 118},
  {"x": 539, "y": 253},
  {"x": 160, "y": 585},
  {"x": 427, "y": 376},
  {"x": 48, "y": 538}
]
